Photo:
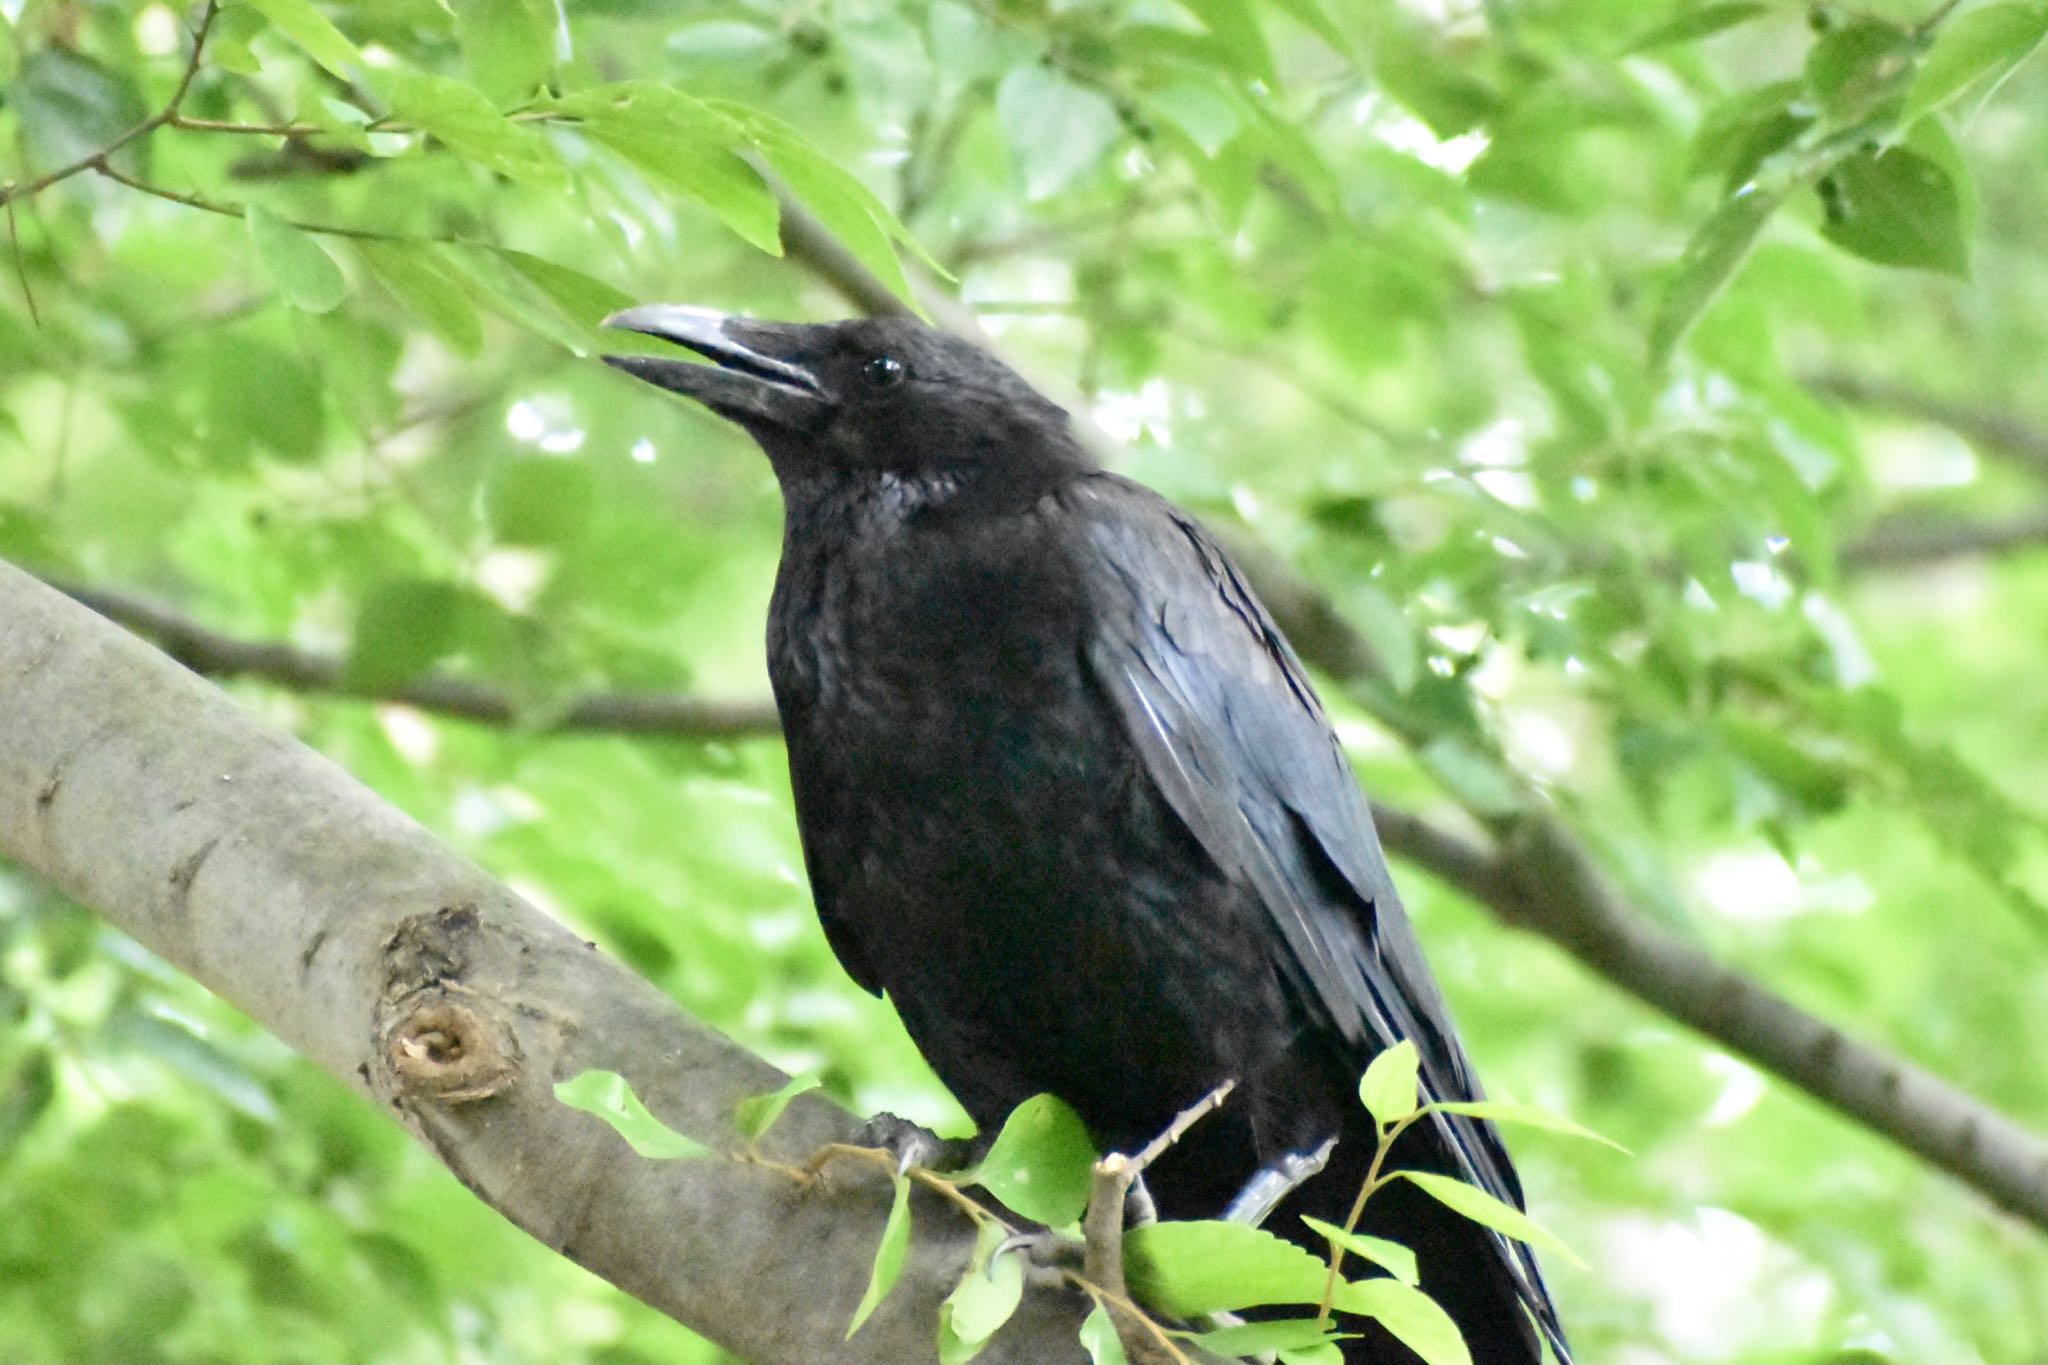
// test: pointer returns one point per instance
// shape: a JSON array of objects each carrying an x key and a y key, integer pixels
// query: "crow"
[{"x": 1068, "y": 798}]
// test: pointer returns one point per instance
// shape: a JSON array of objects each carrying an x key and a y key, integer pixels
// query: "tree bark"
[{"x": 289, "y": 889}]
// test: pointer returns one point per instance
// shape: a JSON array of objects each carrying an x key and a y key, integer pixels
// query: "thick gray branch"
[{"x": 287, "y": 888}]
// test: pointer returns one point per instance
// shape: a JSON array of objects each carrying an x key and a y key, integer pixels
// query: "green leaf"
[
  {"x": 508, "y": 45},
  {"x": 757, "y": 1113},
  {"x": 983, "y": 1300},
  {"x": 1897, "y": 207},
  {"x": 458, "y": 114},
  {"x": 1860, "y": 66},
  {"x": 314, "y": 35},
  {"x": 686, "y": 145},
  {"x": 583, "y": 299},
  {"x": 1694, "y": 21},
  {"x": 69, "y": 107},
  {"x": 1413, "y": 1317},
  {"x": 1311, "y": 15},
  {"x": 846, "y": 206},
  {"x": 1391, "y": 1257},
  {"x": 1525, "y": 1116},
  {"x": 402, "y": 627},
  {"x": 1198, "y": 108},
  {"x": 300, "y": 267},
  {"x": 1974, "y": 51},
  {"x": 1057, "y": 130},
  {"x": 889, "y": 1256},
  {"x": 1098, "y": 1336},
  {"x": 1042, "y": 1163},
  {"x": 1481, "y": 1207},
  {"x": 1712, "y": 258},
  {"x": 1390, "y": 1088},
  {"x": 1257, "y": 1338},
  {"x": 1191, "y": 1268},
  {"x": 417, "y": 274},
  {"x": 608, "y": 1095}
]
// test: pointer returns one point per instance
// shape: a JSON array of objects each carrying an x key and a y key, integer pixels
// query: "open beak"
[{"x": 756, "y": 375}]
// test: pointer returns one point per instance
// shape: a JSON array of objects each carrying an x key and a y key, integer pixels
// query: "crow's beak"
[{"x": 757, "y": 374}]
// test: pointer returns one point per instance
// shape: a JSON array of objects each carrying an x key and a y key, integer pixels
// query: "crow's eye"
[{"x": 882, "y": 372}]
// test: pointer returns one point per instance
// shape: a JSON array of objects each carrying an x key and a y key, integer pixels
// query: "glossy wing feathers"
[{"x": 1232, "y": 733}]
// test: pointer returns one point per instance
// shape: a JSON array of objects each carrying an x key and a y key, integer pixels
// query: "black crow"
[{"x": 1069, "y": 799}]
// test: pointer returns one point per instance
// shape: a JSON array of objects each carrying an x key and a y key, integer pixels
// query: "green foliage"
[
  {"x": 889, "y": 1256},
  {"x": 608, "y": 1095},
  {"x": 1503, "y": 324},
  {"x": 1040, "y": 1163}
]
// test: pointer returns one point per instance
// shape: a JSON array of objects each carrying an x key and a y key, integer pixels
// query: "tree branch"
[
  {"x": 220, "y": 655},
  {"x": 1990, "y": 430},
  {"x": 1545, "y": 882},
  {"x": 11, "y": 194},
  {"x": 287, "y": 888},
  {"x": 1905, "y": 542}
]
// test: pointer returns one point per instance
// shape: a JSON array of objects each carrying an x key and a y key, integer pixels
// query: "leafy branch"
[{"x": 97, "y": 161}]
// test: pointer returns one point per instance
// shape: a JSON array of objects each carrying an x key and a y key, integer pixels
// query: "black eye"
[{"x": 882, "y": 372}]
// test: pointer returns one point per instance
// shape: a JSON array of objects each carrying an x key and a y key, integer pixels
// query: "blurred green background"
[{"x": 1656, "y": 387}]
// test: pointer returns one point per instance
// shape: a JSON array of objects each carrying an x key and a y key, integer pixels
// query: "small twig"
[
  {"x": 1175, "y": 1131},
  {"x": 1367, "y": 1188},
  {"x": 193, "y": 201},
  {"x": 97, "y": 160}
]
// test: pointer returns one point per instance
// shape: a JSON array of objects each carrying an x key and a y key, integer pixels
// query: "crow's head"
[{"x": 863, "y": 398}]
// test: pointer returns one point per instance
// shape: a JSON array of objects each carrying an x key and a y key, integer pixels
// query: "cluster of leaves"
[
  {"x": 309, "y": 358},
  {"x": 1042, "y": 1167}
]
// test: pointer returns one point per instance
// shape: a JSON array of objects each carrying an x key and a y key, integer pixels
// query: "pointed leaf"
[
  {"x": 1257, "y": 1338},
  {"x": 889, "y": 1256},
  {"x": 313, "y": 33},
  {"x": 471, "y": 126},
  {"x": 1897, "y": 207},
  {"x": 1390, "y": 1088},
  {"x": 1391, "y": 1257},
  {"x": 757, "y": 1113},
  {"x": 1712, "y": 258},
  {"x": 418, "y": 276},
  {"x": 1481, "y": 1207},
  {"x": 1186, "y": 1269},
  {"x": 1414, "y": 1318},
  {"x": 1098, "y": 1335},
  {"x": 608, "y": 1095},
  {"x": 983, "y": 1300},
  {"x": 1042, "y": 1163},
  {"x": 1974, "y": 51},
  {"x": 300, "y": 267},
  {"x": 1523, "y": 1115}
]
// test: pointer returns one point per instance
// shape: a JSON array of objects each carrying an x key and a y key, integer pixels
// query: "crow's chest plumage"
[{"x": 982, "y": 838}]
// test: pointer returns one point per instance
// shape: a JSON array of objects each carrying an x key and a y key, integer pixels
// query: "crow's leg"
[
  {"x": 1264, "y": 1191},
  {"x": 915, "y": 1145}
]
